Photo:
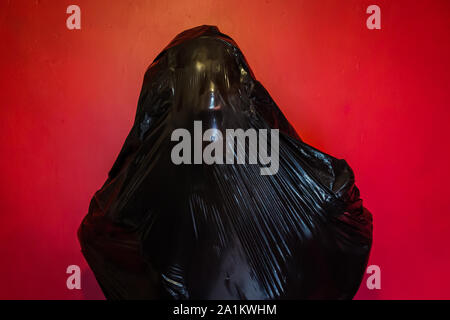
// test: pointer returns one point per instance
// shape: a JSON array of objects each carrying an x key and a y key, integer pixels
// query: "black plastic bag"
[{"x": 159, "y": 230}]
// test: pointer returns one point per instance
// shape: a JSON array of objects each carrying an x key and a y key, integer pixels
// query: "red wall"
[{"x": 378, "y": 98}]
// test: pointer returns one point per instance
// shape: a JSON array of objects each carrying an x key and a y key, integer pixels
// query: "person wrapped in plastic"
[{"x": 162, "y": 229}]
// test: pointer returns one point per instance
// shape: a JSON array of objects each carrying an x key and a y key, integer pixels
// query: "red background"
[{"x": 378, "y": 98}]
